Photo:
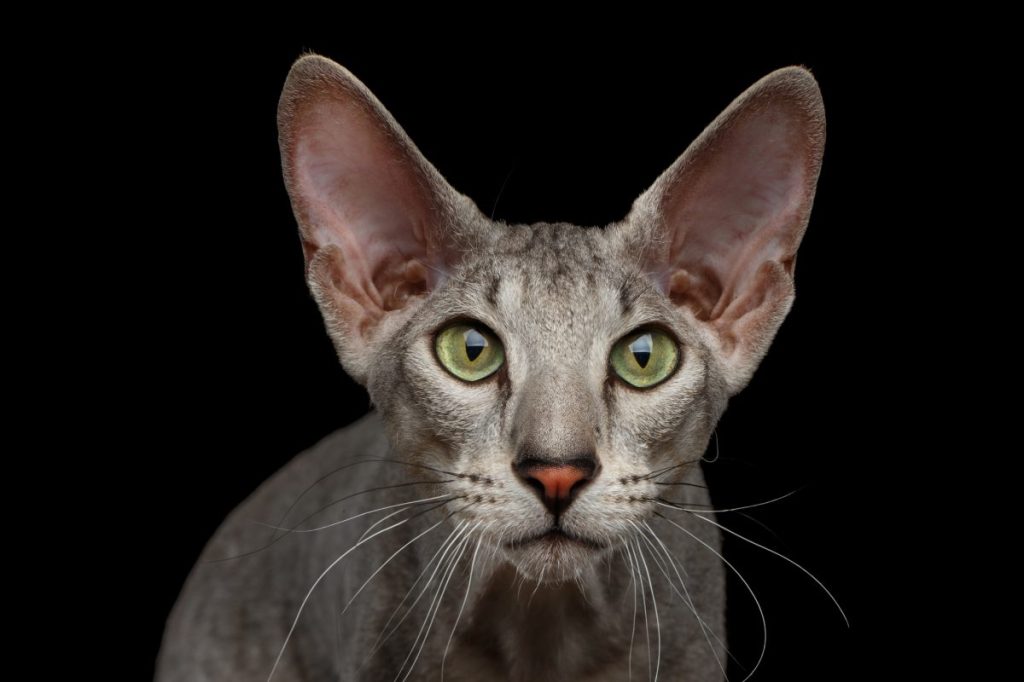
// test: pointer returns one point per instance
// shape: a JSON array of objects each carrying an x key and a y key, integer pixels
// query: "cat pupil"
[
  {"x": 641, "y": 349},
  {"x": 475, "y": 343}
]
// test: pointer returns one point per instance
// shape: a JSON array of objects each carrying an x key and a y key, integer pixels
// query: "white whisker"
[
  {"x": 757, "y": 602},
  {"x": 784, "y": 558},
  {"x": 632, "y": 634},
  {"x": 352, "y": 518},
  {"x": 382, "y": 637},
  {"x": 687, "y": 599},
  {"x": 680, "y": 505},
  {"x": 305, "y": 599},
  {"x": 445, "y": 561},
  {"x": 676, "y": 567},
  {"x": 654, "y": 603},
  {"x": 386, "y": 562},
  {"x": 379, "y": 522},
  {"x": 435, "y": 606},
  {"x": 717, "y": 451},
  {"x": 465, "y": 598},
  {"x": 643, "y": 603}
]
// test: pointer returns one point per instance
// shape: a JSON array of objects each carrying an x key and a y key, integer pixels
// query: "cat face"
[
  {"x": 557, "y": 299},
  {"x": 553, "y": 375}
]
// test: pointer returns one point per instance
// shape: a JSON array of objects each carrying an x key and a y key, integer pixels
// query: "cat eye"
[
  {"x": 645, "y": 358},
  {"x": 469, "y": 350}
]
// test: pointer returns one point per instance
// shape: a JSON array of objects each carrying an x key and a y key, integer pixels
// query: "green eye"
[
  {"x": 469, "y": 351},
  {"x": 644, "y": 358}
]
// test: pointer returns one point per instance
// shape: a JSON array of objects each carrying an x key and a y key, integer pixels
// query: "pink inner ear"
[
  {"x": 363, "y": 196},
  {"x": 734, "y": 209}
]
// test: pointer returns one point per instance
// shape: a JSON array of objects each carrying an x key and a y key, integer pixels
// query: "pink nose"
[{"x": 557, "y": 484}]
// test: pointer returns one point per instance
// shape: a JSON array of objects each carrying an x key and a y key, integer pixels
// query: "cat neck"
[{"x": 542, "y": 631}]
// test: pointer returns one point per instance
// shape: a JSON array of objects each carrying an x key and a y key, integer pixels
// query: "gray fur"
[{"x": 559, "y": 296}]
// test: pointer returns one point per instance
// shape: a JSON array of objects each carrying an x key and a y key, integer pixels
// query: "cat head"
[{"x": 558, "y": 371}]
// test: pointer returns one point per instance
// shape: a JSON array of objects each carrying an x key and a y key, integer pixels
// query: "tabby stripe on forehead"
[
  {"x": 625, "y": 300},
  {"x": 492, "y": 291}
]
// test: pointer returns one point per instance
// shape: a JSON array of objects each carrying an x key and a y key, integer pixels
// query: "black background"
[{"x": 239, "y": 375}]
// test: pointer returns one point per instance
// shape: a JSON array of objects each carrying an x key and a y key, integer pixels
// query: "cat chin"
[{"x": 553, "y": 560}]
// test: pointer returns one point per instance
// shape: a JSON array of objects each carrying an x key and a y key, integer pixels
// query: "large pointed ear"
[
  {"x": 722, "y": 225},
  {"x": 379, "y": 225}
]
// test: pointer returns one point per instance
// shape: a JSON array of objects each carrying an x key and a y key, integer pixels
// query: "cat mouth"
[{"x": 554, "y": 536}]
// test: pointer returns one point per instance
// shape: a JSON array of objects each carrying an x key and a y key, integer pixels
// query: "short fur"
[{"x": 393, "y": 255}]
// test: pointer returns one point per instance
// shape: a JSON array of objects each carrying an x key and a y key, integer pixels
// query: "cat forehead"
[
  {"x": 551, "y": 253},
  {"x": 548, "y": 272},
  {"x": 543, "y": 257}
]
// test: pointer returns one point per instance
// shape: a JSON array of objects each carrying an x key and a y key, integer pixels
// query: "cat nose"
[{"x": 556, "y": 482}]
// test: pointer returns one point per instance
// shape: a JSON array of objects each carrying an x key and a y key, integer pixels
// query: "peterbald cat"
[{"x": 501, "y": 514}]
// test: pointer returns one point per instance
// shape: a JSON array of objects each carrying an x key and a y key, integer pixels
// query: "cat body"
[{"x": 527, "y": 495}]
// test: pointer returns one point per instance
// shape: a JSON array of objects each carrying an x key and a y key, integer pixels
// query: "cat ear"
[
  {"x": 722, "y": 225},
  {"x": 379, "y": 225}
]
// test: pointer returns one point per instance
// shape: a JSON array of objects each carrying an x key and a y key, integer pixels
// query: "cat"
[{"x": 504, "y": 511}]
